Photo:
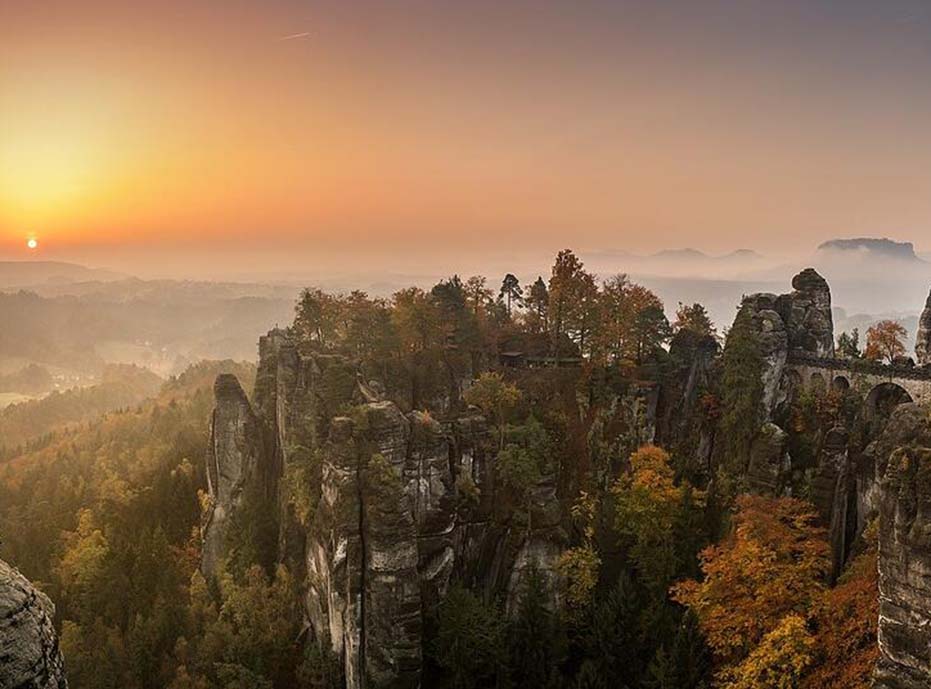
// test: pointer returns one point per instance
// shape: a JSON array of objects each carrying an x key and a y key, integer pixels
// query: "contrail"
[{"x": 294, "y": 36}]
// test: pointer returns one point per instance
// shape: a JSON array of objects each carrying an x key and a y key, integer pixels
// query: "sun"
[{"x": 32, "y": 243}]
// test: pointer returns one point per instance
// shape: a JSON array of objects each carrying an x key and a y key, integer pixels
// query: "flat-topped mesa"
[
  {"x": 29, "y": 654},
  {"x": 923, "y": 337}
]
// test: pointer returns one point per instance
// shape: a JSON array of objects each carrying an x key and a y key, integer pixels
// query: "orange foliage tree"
[
  {"x": 771, "y": 567},
  {"x": 885, "y": 340},
  {"x": 845, "y": 619}
]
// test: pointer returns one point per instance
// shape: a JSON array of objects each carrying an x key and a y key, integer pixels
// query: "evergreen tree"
[
  {"x": 690, "y": 655},
  {"x": 537, "y": 638},
  {"x": 468, "y": 643},
  {"x": 742, "y": 388},
  {"x": 511, "y": 291}
]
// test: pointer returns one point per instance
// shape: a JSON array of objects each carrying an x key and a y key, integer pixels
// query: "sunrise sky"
[{"x": 305, "y": 133}]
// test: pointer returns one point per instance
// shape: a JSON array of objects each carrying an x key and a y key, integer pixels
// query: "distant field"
[{"x": 8, "y": 398}]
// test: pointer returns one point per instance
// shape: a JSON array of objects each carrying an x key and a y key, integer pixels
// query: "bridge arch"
[
  {"x": 840, "y": 384},
  {"x": 884, "y": 397}
]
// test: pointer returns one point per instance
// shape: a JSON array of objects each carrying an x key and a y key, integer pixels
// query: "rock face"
[
  {"x": 768, "y": 461},
  {"x": 807, "y": 314},
  {"x": 237, "y": 463},
  {"x": 905, "y": 552},
  {"x": 773, "y": 337},
  {"x": 800, "y": 321},
  {"x": 378, "y": 510},
  {"x": 832, "y": 487},
  {"x": 29, "y": 655},
  {"x": 923, "y": 339}
]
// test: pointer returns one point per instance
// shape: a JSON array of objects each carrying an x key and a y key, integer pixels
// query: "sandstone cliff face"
[
  {"x": 807, "y": 314},
  {"x": 923, "y": 338},
  {"x": 237, "y": 463},
  {"x": 800, "y": 321},
  {"x": 399, "y": 505},
  {"x": 29, "y": 655},
  {"x": 905, "y": 552}
]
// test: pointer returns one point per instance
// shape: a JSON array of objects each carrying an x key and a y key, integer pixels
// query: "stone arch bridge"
[{"x": 874, "y": 379}]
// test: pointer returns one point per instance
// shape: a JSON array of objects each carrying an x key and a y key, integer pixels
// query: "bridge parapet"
[
  {"x": 860, "y": 366},
  {"x": 872, "y": 376}
]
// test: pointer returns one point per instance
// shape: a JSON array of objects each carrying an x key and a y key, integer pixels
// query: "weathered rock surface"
[
  {"x": 401, "y": 505},
  {"x": 774, "y": 347},
  {"x": 832, "y": 487},
  {"x": 769, "y": 462},
  {"x": 682, "y": 425},
  {"x": 807, "y": 314},
  {"x": 905, "y": 551},
  {"x": 923, "y": 338},
  {"x": 799, "y": 321},
  {"x": 237, "y": 463},
  {"x": 29, "y": 654}
]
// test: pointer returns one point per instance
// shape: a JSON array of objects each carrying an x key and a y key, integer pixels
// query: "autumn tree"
[
  {"x": 581, "y": 565},
  {"x": 479, "y": 297},
  {"x": 511, "y": 291},
  {"x": 369, "y": 331},
  {"x": 650, "y": 509},
  {"x": 845, "y": 623},
  {"x": 885, "y": 340},
  {"x": 633, "y": 325},
  {"x": 778, "y": 662},
  {"x": 317, "y": 316},
  {"x": 773, "y": 566},
  {"x": 416, "y": 319},
  {"x": 693, "y": 318},
  {"x": 570, "y": 289},
  {"x": 618, "y": 314},
  {"x": 495, "y": 397}
]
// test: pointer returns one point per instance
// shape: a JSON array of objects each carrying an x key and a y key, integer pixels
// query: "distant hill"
[
  {"x": 880, "y": 248},
  {"x": 17, "y": 274}
]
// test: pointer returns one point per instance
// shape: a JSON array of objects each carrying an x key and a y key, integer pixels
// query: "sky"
[{"x": 200, "y": 136}]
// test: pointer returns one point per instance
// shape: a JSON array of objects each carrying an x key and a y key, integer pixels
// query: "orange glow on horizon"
[{"x": 128, "y": 124}]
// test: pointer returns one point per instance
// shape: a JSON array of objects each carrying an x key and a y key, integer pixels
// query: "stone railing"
[{"x": 875, "y": 368}]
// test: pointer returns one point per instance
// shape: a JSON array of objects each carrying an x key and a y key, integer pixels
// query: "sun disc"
[{"x": 32, "y": 243}]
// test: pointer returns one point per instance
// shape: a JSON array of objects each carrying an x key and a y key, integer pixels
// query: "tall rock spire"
[{"x": 923, "y": 339}]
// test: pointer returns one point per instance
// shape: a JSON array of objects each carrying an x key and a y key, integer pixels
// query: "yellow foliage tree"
[{"x": 777, "y": 663}]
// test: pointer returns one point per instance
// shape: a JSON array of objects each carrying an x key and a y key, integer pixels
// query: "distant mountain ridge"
[{"x": 26, "y": 273}]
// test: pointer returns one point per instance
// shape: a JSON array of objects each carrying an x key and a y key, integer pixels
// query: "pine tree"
[
  {"x": 537, "y": 638},
  {"x": 742, "y": 392},
  {"x": 511, "y": 291}
]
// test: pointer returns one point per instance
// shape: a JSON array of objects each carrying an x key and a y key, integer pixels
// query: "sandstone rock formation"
[
  {"x": 378, "y": 509},
  {"x": 237, "y": 463},
  {"x": 800, "y": 321},
  {"x": 832, "y": 487},
  {"x": 807, "y": 314},
  {"x": 768, "y": 461},
  {"x": 774, "y": 346},
  {"x": 29, "y": 655},
  {"x": 923, "y": 338},
  {"x": 905, "y": 552}
]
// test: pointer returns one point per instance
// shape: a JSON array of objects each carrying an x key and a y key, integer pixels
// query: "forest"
[{"x": 675, "y": 572}]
